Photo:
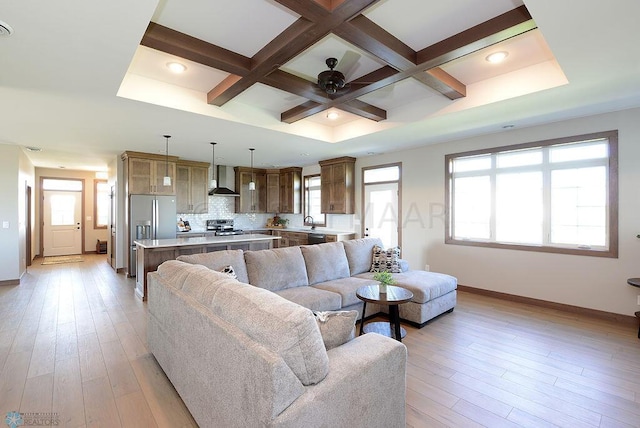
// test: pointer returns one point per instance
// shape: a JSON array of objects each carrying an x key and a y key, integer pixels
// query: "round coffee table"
[{"x": 392, "y": 298}]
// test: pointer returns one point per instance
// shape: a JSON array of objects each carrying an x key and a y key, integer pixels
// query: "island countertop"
[
  {"x": 186, "y": 241},
  {"x": 151, "y": 253}
]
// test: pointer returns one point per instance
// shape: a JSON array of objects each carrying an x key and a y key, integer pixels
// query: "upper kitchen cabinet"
[
  {"x": 273, "y": 190},
  {"x": 290, "y": 191},
  {"x": 251, "y": 201},
  {"x": 191, "y": 187},
  {"x": 337, "y": 180},
  {"x": 145, "y": 173}
]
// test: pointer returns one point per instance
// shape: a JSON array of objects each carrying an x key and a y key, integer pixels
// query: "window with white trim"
[{"x": 553, "y": 196}]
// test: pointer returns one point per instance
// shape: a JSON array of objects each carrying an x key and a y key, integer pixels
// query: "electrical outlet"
[
  {"x": 638, "y": 299},
  {"x": 427, "y": 267}
]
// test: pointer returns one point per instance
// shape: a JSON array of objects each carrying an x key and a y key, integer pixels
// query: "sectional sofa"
[
  {"x": 325, "y": 277},
  {"x": 243, "y": 356}
]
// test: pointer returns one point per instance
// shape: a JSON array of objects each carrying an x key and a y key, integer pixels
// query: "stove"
[{"x": 223, "y": 227}]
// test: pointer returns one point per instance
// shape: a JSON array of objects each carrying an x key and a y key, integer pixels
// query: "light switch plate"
[{"x": 5, "y": 225}]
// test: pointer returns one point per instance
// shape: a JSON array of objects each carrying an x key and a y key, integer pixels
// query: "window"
[
  {"x": 554, "y": 196},
  {"x": 312, "y": 193},
  {"x": 102, "y": 198}
]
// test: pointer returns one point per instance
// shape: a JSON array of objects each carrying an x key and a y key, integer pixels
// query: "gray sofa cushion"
[
  {"x": 276, "y": 269},
  {"x": 312, "y": 298},
  {"x": 425, "y": 286},
  {"x": 360, "y": 253},
  {"x": 216, "y": 260},
  {"x": 284, "y": 327},
  {"x": 346, "y": 288},
  {"x": 325, "y": 262}
]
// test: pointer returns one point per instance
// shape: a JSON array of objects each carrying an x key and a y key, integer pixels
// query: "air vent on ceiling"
[{"x": 5, "y": 29}]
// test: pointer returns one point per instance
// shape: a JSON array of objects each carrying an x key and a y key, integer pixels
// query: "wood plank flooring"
[{"x": 73, "y": 343}]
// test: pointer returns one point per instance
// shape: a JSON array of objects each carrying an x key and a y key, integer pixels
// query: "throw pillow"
[
  {"x": 388, "y": 260},
  {"x": 229, "y": 271},
  {"x": 336, "y": 327}
]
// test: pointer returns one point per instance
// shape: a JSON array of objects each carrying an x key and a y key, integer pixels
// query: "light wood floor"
[{"x": 73, "y": 342}]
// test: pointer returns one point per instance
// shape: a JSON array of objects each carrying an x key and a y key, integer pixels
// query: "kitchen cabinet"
[
  {"x": 290, "y": 190},
  {"x": 145, "y": 173},
  {"x": 273, "y": 191},
  {"x": 337, "y": 190},
  {"x": 251, "y": 201},
  {"x": 192, "y": 187},
  {"x": 291, "y": 239}
]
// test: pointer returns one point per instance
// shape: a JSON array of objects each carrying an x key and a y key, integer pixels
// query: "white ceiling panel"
[
  {"x": 152, "y": 64},
  {"x": 242, "y": 26},
  {"x": 420, "y": 23},
  {"x": 353, "y": 62}
]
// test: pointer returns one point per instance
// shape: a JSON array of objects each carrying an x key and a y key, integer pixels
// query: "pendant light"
[
  {"x": 167, "y": 180},
  {"x": 252, "y": 183},
  {"x": 214, "y": 183}
]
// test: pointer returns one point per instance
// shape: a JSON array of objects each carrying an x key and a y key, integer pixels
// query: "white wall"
[
  {"x": 590, "y": 282},
  {"x": 91, "y": 235},
  {"x": 9, "y": 195},
  {"x": 16, "y": 172}
]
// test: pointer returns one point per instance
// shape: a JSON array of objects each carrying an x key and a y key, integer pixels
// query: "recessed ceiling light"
[
  {"x": 332, "y": 115},
  {"x": 5, "y": 29},
  {"x": 176, "y": 67},
  {"x": 304, "y": 154},
  {"x": 497, "y": 57}
]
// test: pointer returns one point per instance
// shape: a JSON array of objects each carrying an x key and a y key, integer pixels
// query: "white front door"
[
  {"x": 62, "y": 229},
  {"x": 381, "y": 212}
]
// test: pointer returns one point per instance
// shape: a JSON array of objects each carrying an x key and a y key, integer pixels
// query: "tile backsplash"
[{"x": 222, "y": 207}]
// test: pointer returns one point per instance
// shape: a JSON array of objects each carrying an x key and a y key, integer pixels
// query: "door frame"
[
  {"x": 82, "y": 212},
  {"x": 362, "y": 196},
  {"x": 28, "y": 224}
]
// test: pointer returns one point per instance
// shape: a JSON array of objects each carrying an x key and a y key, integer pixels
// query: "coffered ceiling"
[{"x": 87, "y": 81}]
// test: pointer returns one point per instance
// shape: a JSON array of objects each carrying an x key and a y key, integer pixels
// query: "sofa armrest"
[
  {"x": 404, "y": 265},
  {"x": 365, "y": 387}
]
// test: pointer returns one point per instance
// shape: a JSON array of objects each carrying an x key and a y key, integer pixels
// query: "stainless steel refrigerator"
[{"x": 150, "y": 217}]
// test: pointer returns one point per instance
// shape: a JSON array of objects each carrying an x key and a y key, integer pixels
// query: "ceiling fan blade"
[{"x": 349, "y": 64}]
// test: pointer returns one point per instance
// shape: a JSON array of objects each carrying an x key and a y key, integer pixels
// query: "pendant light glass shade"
[
  {"x": 252, "y": 183},
  {"x": 166, "y": 181},
  {"x": 214, "y": 182}
]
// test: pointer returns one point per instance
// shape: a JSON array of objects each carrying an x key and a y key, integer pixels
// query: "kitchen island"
[{"x": 151, "y": 253}]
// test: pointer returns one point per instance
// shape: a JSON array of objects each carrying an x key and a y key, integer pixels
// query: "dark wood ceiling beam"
[
  {"x": 336, "y": 11},
  {"x": 364, "y": 110},
  {"x": 443, "y": 82},
  {"x": 184, "y": 46},
  {"x": 221, "y": 87},
  {"x": 296, "y": 85},
  {"x": 369, "y": 36},
  {"x": 302, "y": 111},
  {"x": 296, "y": 38},
  {"x": 495, "y": 30},
  {"x": 498, "y": 29}
]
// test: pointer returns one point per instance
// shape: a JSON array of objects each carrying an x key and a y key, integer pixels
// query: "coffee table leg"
[
  {"x": 364, "y": 311},
  {"x": 395, "y": 319}
]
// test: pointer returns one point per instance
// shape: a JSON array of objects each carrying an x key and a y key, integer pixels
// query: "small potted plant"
[
  {"x": 385, "y": 278},
  {"x": 283, "y": 221}
]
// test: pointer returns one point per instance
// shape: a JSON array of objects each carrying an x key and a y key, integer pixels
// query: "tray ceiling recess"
[{"x": 345, "y": 20}]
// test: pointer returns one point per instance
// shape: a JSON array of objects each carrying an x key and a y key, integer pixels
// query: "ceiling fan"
[{"x": 331, "y": 81}]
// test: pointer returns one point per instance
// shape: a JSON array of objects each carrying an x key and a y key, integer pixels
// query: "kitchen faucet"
[{"x": 313, "y": 226}]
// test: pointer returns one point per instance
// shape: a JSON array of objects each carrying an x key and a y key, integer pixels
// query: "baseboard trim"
[
  {"x": 595, "y": 313},
  {"x": 10, "y": 282}
]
